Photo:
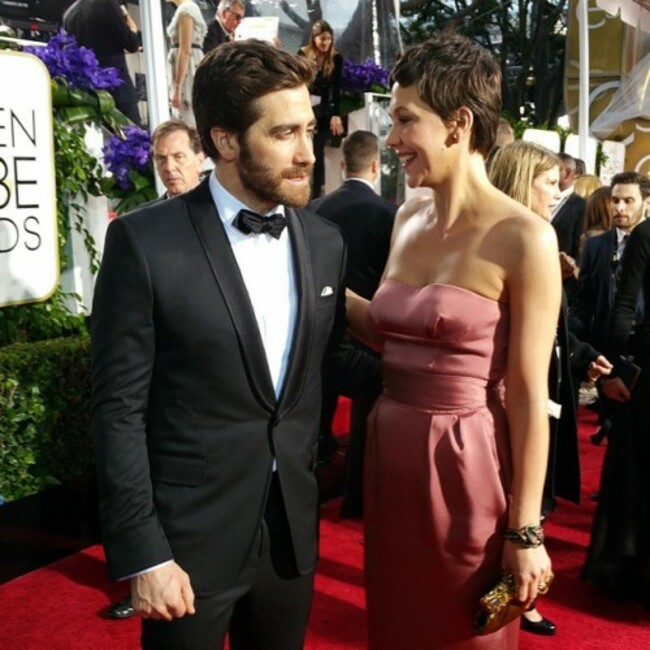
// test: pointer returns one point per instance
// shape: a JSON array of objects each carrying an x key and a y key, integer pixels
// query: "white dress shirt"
[
  {"x": 621, "y": 240},
  {"x": 266, "y": 265}
]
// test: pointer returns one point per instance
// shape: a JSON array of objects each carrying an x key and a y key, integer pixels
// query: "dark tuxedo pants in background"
[{"x": 267, "y": 609}]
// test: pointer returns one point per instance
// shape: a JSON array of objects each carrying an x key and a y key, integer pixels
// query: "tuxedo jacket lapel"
[
  {"x": 304, "y": 326},
  {"x": 215, "y": 243}
]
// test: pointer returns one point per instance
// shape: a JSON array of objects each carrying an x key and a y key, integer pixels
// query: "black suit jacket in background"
[
  {"x": 569, "y": 226},
  {"x": 592, "y": 303},
  {"x": 185, "y": 420},
  {"x": 215, "y": 35},
  {"x": 366, "y": 221},
  {"x": 100, "y": 26}
]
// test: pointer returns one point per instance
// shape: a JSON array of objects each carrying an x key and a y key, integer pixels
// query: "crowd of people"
[{"x": 233, "y": 310}]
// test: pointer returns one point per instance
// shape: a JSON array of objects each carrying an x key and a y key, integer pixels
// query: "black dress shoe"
[
  {"x": 543, "y": 627},
  {"x": 123, "y": 609}
]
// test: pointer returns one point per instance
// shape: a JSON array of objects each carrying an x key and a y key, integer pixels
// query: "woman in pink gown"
[{"x": 457, "y": 445}]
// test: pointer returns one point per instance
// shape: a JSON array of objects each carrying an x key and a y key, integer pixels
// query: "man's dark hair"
[
  {"x": 633, "y": 178},
  {"x": 450, "y": 72},
  {"x": 232, "y": 77},
  {"x": 360, "y": 150},
  {"x": 171, "y": 126}
]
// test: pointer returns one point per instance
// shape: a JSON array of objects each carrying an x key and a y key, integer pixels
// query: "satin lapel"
[
  {"x": 304, "y": 328},
  {"x": 215, "y": 243}
]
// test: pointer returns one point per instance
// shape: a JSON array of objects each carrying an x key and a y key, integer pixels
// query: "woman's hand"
[
  {"x": 336, "y": 125},
  {"x": 531, "y": 568},
  {"x": 601, "y": 367}
]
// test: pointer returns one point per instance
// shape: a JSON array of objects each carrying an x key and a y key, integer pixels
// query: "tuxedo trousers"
[{"x": 266, "y": 609}]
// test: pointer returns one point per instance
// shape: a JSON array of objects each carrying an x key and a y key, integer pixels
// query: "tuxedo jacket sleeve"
[{"x": 186, "y": 423}]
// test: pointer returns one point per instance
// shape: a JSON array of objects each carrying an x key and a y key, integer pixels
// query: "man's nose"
[{"x": 305, "y": 151}]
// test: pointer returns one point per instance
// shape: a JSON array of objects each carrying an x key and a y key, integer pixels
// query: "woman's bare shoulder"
[{"x": 515, "y": 221}]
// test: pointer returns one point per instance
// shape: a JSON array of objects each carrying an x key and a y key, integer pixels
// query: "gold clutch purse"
[{"x": 498, "y": 607}]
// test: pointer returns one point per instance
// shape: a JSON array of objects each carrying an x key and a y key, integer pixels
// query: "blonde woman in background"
[
  {"x": 586, "y": 184},
  {"x": 186, "y": 32},
  {"x": 530, "y": 174}
]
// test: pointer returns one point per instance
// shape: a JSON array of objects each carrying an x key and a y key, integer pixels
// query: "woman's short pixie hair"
[{"x": 451, "y": 72}]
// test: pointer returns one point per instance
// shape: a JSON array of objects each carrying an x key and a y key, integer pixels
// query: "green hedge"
[{"x": 44, "y": 414}]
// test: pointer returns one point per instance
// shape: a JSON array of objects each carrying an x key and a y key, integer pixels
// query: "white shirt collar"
[{"x": 620, "y": 234}]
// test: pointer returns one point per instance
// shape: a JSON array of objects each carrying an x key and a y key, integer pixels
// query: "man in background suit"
[
  {"x": 106, "y": 27},
  {"x": 214, "y": 315},
  {"x": 221, "y": 28},
  {"x": 177, "y": 156},
  {"x": 597, "y": 282},
  {"x": 366, "y": 221},
  {"x": 568, "y": 221}
]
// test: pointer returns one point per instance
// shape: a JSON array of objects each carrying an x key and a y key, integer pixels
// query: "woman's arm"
[
  {"x": 357, "y": 311},
  {"x": 185, "y": 28},
  {"x": 534, "y": 286}
]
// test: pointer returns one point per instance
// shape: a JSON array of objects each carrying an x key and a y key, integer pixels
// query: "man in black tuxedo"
[
  {"x": 221, "y": 28},
  {"x": 568, "y": 221},
  {"x": 366, "y": 221},
  {"x": 214, "y": 314},
  {"x": 106, "y": 27}
]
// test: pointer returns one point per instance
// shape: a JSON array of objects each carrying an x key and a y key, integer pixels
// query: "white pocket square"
[{"x": 326, "y": 291}]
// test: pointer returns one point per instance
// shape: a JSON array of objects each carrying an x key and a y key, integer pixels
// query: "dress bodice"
[{"x": 444, "y": 347}]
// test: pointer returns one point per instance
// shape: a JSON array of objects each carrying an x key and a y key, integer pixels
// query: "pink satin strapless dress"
[{"x": 438, "y": 469}]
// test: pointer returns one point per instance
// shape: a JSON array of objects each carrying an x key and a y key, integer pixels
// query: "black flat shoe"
[
  {"x": 123, "y": 609},
  {"x": 543, "y": 627}
]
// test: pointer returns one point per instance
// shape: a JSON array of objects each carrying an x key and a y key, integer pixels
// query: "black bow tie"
[{"x": 250, "y": 222}]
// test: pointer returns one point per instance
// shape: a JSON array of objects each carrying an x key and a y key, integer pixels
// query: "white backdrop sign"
[
  {"x": 548, "y": 139},
  {"x": 29, "y": 261}
]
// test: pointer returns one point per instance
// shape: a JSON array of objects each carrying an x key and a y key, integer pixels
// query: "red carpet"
[{"x": 60, "y": 607}]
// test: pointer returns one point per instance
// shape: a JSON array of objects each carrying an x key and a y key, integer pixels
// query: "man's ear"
[{"x": 225, "y": 142}]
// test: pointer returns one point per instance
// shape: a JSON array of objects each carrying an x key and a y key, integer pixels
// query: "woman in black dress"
[
  {"x": 619, "y": 552},
  {"x": 325, "y": 92}
]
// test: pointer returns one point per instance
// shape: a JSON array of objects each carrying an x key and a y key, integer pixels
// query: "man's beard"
[{"x": 258, "y": 179}]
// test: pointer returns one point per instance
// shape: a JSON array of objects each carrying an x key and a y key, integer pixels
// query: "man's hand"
[
  {"x": 601, "y": 367},
  {"x": 163, "y": 593},
  {"x": 615, "y": 389},
  {"x": 568, "y": 266}
]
